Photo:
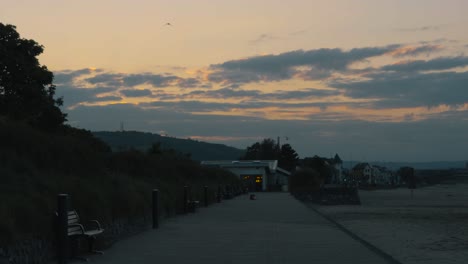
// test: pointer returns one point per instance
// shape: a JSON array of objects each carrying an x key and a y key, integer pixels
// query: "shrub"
[{"x": 305, "y": 180}]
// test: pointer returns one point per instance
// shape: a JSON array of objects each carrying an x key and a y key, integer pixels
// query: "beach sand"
[{"x": 430, "y": 227}]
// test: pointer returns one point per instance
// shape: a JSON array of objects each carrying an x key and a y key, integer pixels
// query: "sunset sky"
[{"x": 371, "y": 80}]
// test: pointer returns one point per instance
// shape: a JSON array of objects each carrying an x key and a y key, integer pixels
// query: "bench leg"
[
  {"x": 91, "y": 240},
  {"x": 75, "y": 244}
]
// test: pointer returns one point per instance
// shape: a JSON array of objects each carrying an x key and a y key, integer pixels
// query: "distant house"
[
  {"x": 384, "y": 176},
  {"x": 366, "y": 174},
  {"x": 337, "y": 165},
  {"x": 362, "y": 173},
  {"x": 257, "y": 175}
]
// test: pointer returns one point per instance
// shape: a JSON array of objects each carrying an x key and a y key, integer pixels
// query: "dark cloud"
[
  {"x": 190, "y": 83},
  {"x": 136, "y": 93},
  {"x": 157, "y": 80},
  {"x": 105, "y": 99},
  {"x": 67, "y": 76},
  {"x": 416, "y": 50},
  {"x": 418, "y": 89},
  {"x": 286, "y": 65},
  {"x": 189, "y": 106},
  {"x": 106, "y": 79},
  {"x": 437, "y": 64},
  {"x": 303, "y": 94},
  {"x": 227, "y": 93},
  {"x": 73, "y": 95}
]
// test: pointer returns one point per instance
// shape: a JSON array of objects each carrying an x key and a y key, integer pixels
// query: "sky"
[{"x": 371, "y": 80}]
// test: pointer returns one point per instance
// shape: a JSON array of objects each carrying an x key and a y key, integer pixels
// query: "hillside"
[
  {"x": 36, "y": 165},
  {"x": 143, "y": 141},
  {"x": 435, "y": 165}
]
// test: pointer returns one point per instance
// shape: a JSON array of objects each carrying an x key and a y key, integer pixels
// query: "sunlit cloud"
[{"x": 415, "y": 50}]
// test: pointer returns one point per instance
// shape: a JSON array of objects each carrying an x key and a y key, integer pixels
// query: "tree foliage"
[
  {"x": 26, "y": 88},
  {"x": 265, "y": 150},
  {"x": 320, "y": 165},
  {"x": 407, "y": 175},
  {"x": 288, "y": 157},
  {"x": 305, "y": 180},
  {"x": 268, "y": 149}
]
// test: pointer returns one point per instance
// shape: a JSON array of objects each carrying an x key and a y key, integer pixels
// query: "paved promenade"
[{"x": 276, "y": 228}]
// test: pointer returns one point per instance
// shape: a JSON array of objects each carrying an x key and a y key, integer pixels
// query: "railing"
[{"x": 189, "y": 205}]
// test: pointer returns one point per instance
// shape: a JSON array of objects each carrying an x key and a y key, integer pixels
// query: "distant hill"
[
  {"x": 143, "y": 141},
  {"x": 435, "y": 165}
]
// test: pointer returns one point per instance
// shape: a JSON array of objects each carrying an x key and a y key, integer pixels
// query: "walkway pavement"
[{"x": 276, "y": 228}]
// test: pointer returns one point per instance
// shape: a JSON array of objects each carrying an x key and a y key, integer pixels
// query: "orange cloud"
[{"x": 414, "y": 50}]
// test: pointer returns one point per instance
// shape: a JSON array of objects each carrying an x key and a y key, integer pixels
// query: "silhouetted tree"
[
  {"x": 268, "y": 149},
  {"x": 288, "y": 158},
  {"x": 407, "y": 175},
  {"x": 252, "y": 152},
  {"x": 265, "y": 150},
  {"x": 26, "y": 89},
  {"x": 305, "y": 180},
  {"x": 320, "y": 165}
]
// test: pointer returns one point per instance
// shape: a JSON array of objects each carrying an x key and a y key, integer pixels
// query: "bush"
[{"x": 305, "y": 180}]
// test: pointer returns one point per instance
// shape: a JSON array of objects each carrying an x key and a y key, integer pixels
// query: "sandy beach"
[{"x": 430, "y": 227}]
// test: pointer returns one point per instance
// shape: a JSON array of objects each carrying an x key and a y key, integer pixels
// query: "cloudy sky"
[{"x": 368, "y": 79}]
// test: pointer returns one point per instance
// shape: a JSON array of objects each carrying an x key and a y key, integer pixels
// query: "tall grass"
[{"x": 35, "y": 166}]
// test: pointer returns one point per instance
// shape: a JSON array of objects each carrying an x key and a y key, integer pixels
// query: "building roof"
[
  {"x": 361, "y": 166},
  {"x": 337, "y": 159},
  {"x": 283, "y": 171}
]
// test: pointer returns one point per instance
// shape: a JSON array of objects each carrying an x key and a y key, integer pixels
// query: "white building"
[{"x": 257, "y": 175}]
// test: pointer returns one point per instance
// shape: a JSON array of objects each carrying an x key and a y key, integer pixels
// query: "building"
[
  {"x": 331, "y": 169},
  {"x": 337, "y": 169},
  {"x": 257, "y": 175},
  {"x": 366, "y": 174},
  {"x": 362, "y": 173}
]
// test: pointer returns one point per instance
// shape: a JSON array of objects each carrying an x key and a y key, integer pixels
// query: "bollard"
[
  {"x": 62, "y": 228},
  {"x": 155, "y": 208},
  {"x": 185, "y": 199},
  {"x": 206, "y": 196},
  {"x": 219, "y": 194}
]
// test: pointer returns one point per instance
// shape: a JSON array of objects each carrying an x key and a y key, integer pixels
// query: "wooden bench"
[{"x": 77, "y": 230}]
